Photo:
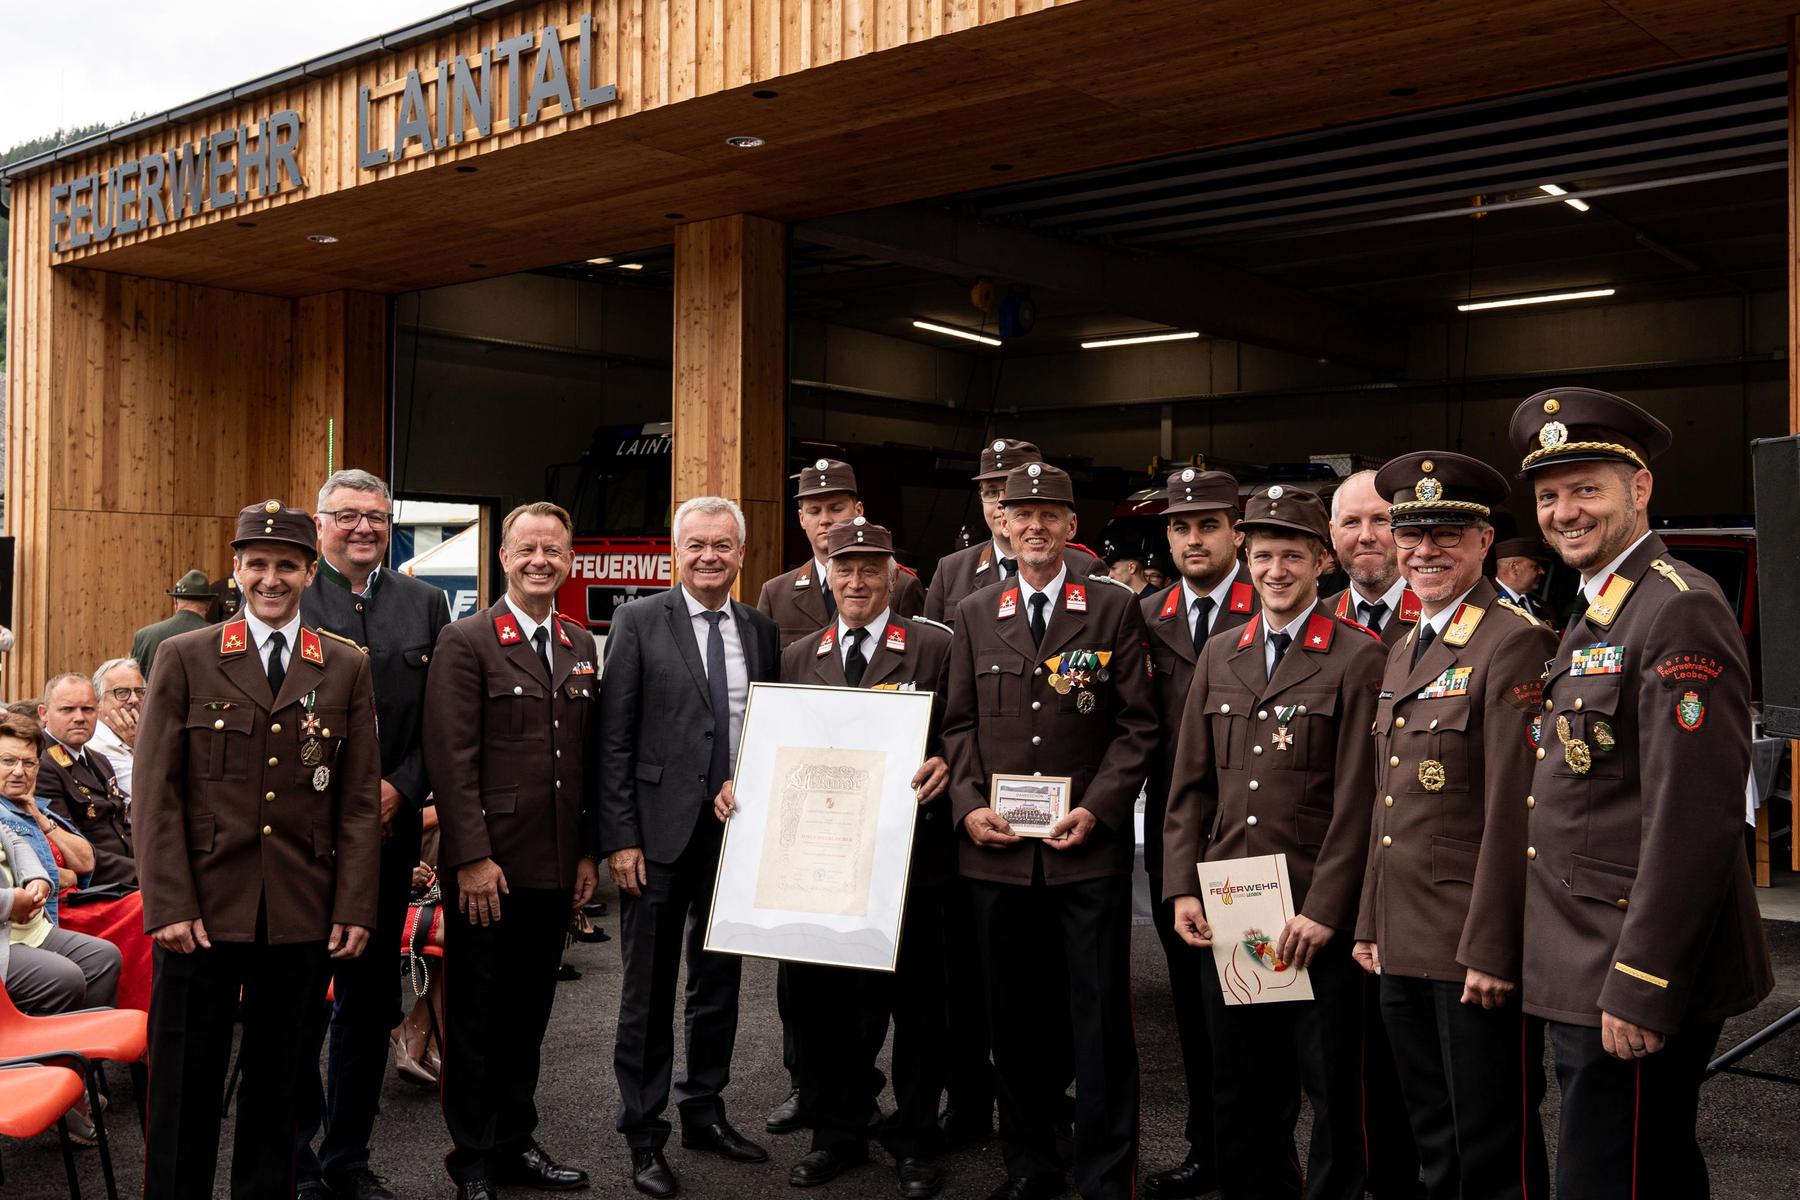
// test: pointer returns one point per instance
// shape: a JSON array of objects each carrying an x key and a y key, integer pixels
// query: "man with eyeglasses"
[
  {"x": 396, "y": 620},
  {"x": 120, "y": 685},
  {"x": 1441, "y": 922},
  {"x": 80, "y": 782},
  {"x": 193, "y": 597}
]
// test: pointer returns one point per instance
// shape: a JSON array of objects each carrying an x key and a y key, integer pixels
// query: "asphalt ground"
[{"x": 1749, "y": 1128}]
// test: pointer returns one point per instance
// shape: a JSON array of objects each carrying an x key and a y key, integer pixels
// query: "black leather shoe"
[
  {"x": 535, "y": 1169},
  {"x": 723, "y": 1140},
  {"x": 919, "y": 1180},
  {"x": 1028, "y": 1187},
  {"x": 962, "y": 1128},
  {"x": 594, "y": 908},
  {"x": 1191, "y": 1178},
  {"x": 359, "y": 1183},
  {"x": 476, "y": 1189},
  {"x": 823, "y": 1166},
  {"x": 785, "y": 1117},
  {"x": 650, "y": 1174},
  {"x": 312, "y": 1189}
]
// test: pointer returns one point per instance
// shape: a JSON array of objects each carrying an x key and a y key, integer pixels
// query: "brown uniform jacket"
[
  {"x": 1236, "y": 793},
  {"x": 1173, "y": 655},
  {"x": 1003, "y": 717},
  {"x": 1637, "y": 895},
  {"x": 963, "y": 571},
  {"x": 1398, "y": 625},
  {"x": 921, "y": 663},
  {"x": 796, "y": 601},
  {"x": 511, "y": 751},
  {"x": 84, "y": 793},
  {"x": 229, "y": 816},
  {"x": 1445, "y": 890}
]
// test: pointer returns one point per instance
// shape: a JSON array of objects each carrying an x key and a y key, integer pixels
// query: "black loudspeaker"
[
  {"x": 7, "y": 546},
  {"x": 1777, "y": 466}
]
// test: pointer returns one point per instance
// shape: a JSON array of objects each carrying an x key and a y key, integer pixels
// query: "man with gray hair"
[
  {"x": 119, "y": 683},
  {"x": 395, "y": 619},
  {"x": 678, "y": 671}
]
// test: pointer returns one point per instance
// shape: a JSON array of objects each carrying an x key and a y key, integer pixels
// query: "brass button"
[
  {"x": 1531, "y": 852},
  {"x": 1549, "y": 704},
  {"x": 1622, "y": 903},
  {"x": 1399, "y": 722},
  {"x": 275, "y": 728},
  {"x": 269, "y": 796},
  {"x": 424, "y": 658},
  {"x": 268, "y": 829},
  {"x": 1531, "y": 802},
  {"x": 1540, "y": 753},
  {"x": 325, "y": 733},
  {"x": 1386, "y": 840},
  {"x": 359, "y": 606},
  {"x": 1578, "y": 704},
  {"x": 273, "y": 761},
  {"x": 1393, "y": 760},
  {"x": 1388, "y": 800},
  {"x": 219, "y": 724}
]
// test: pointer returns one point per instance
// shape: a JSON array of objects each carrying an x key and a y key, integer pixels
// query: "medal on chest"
[
  {"x": 312, "y": 750},
  {"x": 1283, "y": 737}
]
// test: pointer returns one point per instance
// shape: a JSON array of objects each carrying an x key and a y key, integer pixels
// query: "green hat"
[{"x": 193, "y": 586}]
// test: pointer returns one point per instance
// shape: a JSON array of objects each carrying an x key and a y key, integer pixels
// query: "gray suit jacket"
[
  {"x": 22, "y": 867},
  {"x": 654, "y": 716}
]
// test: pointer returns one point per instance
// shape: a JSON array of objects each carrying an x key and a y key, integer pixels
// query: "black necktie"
[
  {"x": 830, "y": 600},
  {"x": 719, "y": 693},
  {"x": 540, "y": 641},
  {"x": 854, "y": 662},
  {"x": 1423, "y": 641},
  {"x": 1278, "y": 642},
  {"x": 1372, "y": 613},
  {"x": 1009, "y": 567},
  {"x": 1202, "y": 621},
  {"x": 1038, "y": 624},
  {"x": 277, "y": 668}
]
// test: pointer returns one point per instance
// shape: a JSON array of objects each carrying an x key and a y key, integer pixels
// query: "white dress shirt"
[
  {"x": 1391, "y": 598},
  {"x": 528, "y": 627},
  {"x": 1270, "y": 630},
  {"x": 737, "y": 673},
  {"x": 259, "y": 637},
  {"x": 1054, "y": 592},
  {"x": 1221, "y": 597},
  {"x": 877, "y": 626},
  {"x": 116, "y": 752},
  {"x": 1591, "y": 584}
]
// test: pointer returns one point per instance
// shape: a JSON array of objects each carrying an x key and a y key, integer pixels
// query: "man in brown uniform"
[
  {"x": 512, "y": 726},
  {"x": 80, "y": 781},
  {"x": 1051, "y": 677},
  {"x": 1644, "y": 930},
  {"x": 1212, "y": 595},
  {"x": 841, "y": 1014},
  {"x": 1443, "y": 900},
  {"x": 1274, "y": 757},
  {"x": 1363, "y": 540},
  {"x": 800, "y": 601},
  {"x": 256, "y": 809}
]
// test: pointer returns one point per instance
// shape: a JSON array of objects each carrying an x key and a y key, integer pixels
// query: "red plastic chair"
[
  {"x": 35, "y": 1095},
  {"x": 80, "y": 1039}
]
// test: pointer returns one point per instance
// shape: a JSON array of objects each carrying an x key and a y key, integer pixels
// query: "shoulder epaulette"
[
  {"x": 932, "y": 623},
  {"x": 1114, "y": 582},
  {"x": 338, "y": 637},
  {"x": 907, "y": 569},
  {"x": 1514, "y": 609},
  {"x": 1359, "y": 625},
  {"x": 1669, "y": 573}
]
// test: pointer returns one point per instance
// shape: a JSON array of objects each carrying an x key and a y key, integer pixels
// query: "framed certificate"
[
  {"x": 1031, "y": 804},
  {"x": 815, "y": 859}
]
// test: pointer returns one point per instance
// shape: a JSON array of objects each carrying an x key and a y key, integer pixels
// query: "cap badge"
[
  {"x": 272, "y": 506},
  {"x": 1553, "y": 434},
  {"x": 999, "y": 445},
  {"x": 1187, "y": 476},
  {"x": 1034, "y": 470},
  {"x": 1276, "y": 493},
  {"x": 1428, "y": 466},
  {"x": 1553, "y": 406},
  {"x": 821, "y": 464},
  {"x": 1428, "y": 490}
]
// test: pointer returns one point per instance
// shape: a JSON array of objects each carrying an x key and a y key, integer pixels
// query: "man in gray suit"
[{"x": 677, "y": 676}]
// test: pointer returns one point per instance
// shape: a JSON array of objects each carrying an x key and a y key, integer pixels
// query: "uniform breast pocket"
[
  {"x": 1436, "y": 738},
  {"x": 514, "y": 710},
  {"x": 1300, "y": 731},
  {"x": 219, "y": 739},
  {"x": 1582, "y": 730},
  {"x": 417, "y": 657},
  {"x": 1601, "y": 881},
  {"x": 1228, "y": 719},
  {"x": 999, "y": 682}
]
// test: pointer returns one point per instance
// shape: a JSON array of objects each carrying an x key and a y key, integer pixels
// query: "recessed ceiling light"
[
  {"x": 601, "y": 262},
  {"x": 967, "y": 335},
  {"x": 1550, "y": 298},
  {"x": 322, "y": 239},
  {"x": 1138, "y": 339},
  {"x": 631, "y": 266},
  {"x": 744, "y": 141},
  {"x": 1552, "y": 189}
]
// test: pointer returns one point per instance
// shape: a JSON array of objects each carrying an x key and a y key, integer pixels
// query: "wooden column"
[
  {"x": 730, "y": 436},
  {"x": 340, "y": 391}
]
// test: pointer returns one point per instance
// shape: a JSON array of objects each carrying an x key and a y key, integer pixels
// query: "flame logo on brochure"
[{"x": 1274, "y": 974}]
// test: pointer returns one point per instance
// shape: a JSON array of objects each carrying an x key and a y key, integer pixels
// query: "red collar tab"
[
  {"x": 895, "y": 639},
  {"x": 310, "y": 648},
  {"x": 1410, "y": 608},
  {"x": 1242, "y": 595},
  {"x": 1009, "y": 604},
  {"x": 826, "y": 642},
  {"x": 1343, "y": 607},
  {"x": 1249, "y": 634},
  {"x": 506, "y": 628},
  {"x": 1172, "y": 604},
  {"x": 234, "y": 638},
  {"x": 1319, "y": 629},
  {"x": 562, "y": 635},
  {"x": 1075, "y": 597}
]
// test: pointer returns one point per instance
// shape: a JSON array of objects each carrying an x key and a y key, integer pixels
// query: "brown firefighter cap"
[
  {"x": 1522, "y": 547},
  {"x": 1438, "y": 487},
  {"x": 1037, "y": 481},
  {"x": 1000, "y": 456},
  {"x": 858, "y": 535},
  {"x": 1573, "y": 424},
  {"x": 824, "y": 475},
  {"x": 270, "y": 522},
  {"x": 1194, "y": 490},
  {"x": 1282, "y": 508}
]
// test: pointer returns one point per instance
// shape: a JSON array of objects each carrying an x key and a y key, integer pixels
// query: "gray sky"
[{"x": 70, "y": 64}]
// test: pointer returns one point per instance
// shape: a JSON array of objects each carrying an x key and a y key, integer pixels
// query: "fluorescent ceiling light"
[
  {"x": 1552, "y": 189},
  {"x": 1516, "y": 301},
  {"x": 631, "y": 266},
  {"x": 967, "y": 335},
  {"x": 601, "y": 262},
  {"x": 1138, "y": 339}
]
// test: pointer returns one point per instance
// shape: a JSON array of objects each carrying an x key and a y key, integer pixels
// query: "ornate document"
[
  {"x": 818, "y": 850},
  {"x": 1247, "y": 902}
]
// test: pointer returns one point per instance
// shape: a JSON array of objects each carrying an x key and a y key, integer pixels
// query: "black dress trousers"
[{"x": 1187, "y": 965}]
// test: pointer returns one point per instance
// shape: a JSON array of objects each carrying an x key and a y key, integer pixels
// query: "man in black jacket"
[{"x": 395, "y": 619}]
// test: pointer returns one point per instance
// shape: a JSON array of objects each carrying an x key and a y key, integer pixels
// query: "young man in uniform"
[
  {"x": 258, "y": 832},
  {"x": 1050, "y": 677},
  {"x": 1644, "y": 928},
  {"x": 1443, "y": 899},
  {"x": 1274, "y": 757},
  {"x": 1212, "y": 596}
]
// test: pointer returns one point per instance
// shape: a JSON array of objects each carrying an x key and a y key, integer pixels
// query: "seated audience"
[
  {"x": 80, "y": 781},
  {"x": 120, "y": 685}
]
